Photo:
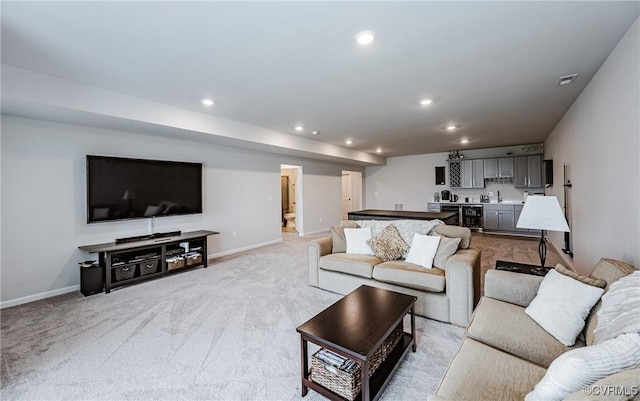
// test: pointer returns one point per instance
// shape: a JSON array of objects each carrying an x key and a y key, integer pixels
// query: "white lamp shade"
[{"x": 542, "y": 213}]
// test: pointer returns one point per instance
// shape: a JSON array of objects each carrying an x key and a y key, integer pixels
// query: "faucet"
[{"x": 499, "y": 197}]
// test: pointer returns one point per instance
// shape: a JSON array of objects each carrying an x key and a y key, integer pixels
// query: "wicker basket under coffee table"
[{"x": 363, "y": 342}]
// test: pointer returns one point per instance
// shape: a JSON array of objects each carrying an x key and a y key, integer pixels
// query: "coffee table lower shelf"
[{"x": 380, "y": 378}]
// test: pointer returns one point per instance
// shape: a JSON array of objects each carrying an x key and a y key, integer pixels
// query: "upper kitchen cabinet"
[
  {"x": 498, "y": 167},
  {"x": 471, "y": 174},
  {"x": 528, "y": 171}
]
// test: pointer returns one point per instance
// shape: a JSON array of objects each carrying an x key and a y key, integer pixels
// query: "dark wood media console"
[{"x": 131, "y": 262}]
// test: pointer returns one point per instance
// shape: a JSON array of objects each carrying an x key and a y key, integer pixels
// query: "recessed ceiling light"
[
  {"x": 379, "y": 150},
  {"x": 426, "y": 102},
  {"x": 207, "y": 102},
  {"x": 348, "y": 141},
  {"x": 299, "y": 128},
  {"x": 451, "y": 127},
  {"x": 464, "y": 141},
  {"x": 315, "y": 132},
  {"x": 365, "y": 37}
]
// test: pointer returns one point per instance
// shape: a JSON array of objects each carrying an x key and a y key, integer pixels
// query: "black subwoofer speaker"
[{"x": 91, "y": 280}]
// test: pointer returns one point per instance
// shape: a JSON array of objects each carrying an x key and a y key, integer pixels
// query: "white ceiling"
[{"x": 492, "y": 67}]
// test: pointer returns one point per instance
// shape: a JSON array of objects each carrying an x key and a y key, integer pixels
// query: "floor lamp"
[{"x": 542, "y": 213}]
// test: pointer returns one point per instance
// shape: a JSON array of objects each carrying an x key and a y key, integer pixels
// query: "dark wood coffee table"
[
  {"x": 522, "y": 268},
  {"x": 355, "y": 327}
]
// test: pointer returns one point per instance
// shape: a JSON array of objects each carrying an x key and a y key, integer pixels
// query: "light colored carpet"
[{"x": 222, "y": 333}]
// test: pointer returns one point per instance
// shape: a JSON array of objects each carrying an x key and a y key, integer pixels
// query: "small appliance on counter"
[
  {"x": 445, "y": 195},
  {"x": 484, "y": 198},
  {"x": 436, "y": 197},
  {"x": 453, "y": 198}
]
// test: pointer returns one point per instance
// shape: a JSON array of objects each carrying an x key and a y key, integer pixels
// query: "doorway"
[
  {"x": 290, "y": 189},
  {"x": 351, "y": 192}
]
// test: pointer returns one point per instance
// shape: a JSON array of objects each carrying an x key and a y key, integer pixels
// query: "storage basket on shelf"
[
  {"x": 175, "y": 262},
  {"x": 193, "y": 258},
  {"x": 148, "y": 266},
  {"x": 342, "y": 375},
  {"x": 125, "y": 272}
]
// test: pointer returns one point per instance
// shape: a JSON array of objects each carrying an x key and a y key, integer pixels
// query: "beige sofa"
[
  {"x": 505, "y": 353},
  {"x": 448, "y": 294}
]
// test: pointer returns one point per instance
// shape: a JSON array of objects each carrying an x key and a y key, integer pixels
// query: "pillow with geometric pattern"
[{"x": 388, "y": 244}]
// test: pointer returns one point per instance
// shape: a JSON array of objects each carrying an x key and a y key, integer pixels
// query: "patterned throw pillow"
[{"x": 388, "y": 245}]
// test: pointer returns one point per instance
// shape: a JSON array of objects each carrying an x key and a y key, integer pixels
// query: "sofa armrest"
[
  {"x": 463, "y": 284},
  {"x": 512, "y": 287},
  {"x": 316, "y": 249}
]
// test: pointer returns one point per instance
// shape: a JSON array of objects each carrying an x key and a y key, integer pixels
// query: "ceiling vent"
[{"x": 567, "y": 80}]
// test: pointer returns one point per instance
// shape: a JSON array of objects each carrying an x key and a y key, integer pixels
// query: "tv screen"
[{"x": 120, "y": 188}]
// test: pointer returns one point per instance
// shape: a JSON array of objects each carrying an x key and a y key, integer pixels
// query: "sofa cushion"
[
  {"x": 562, "y": 306},
  {"x": 349, "y": 224},
  {"x": 480, "y": 372},
  {"x": 596, "y": 282},
  {"x": 409, "y": 275},
  {"x": 609, "y": 270},
  {"x": 463, "y": 233},
  {"x": 505, "y": 326},
  {"x": 358, "y": 265},
  {"x": 446, "y": 248},
  {"x": 338, "y": 240},
  {"x": 388, "y": 245},
  {"x": 337, "y": 235},
  {"x": 582, "y": 367}
]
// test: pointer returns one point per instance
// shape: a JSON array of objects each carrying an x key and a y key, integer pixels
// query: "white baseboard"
[
  {"x": 37, "y": 297},
  {"x": 60, "y": 291},
  {"x": 246, "y": 248}
]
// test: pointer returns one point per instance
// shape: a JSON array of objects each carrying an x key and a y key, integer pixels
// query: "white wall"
[
  {"x": 598, "y": 139},
  {"x": 43, "y": 199}
]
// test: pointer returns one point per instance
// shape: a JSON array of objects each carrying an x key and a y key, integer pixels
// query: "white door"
[{"x": 347, "y": 203}]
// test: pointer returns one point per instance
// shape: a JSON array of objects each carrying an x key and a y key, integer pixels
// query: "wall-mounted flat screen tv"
[{"x": 121, "y": 188}]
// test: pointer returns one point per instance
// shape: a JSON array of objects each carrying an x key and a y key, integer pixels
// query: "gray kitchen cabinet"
[
  {"x": 499, "y": 217},
  {"x": 491, "y": 168},
  {"x": 528, "y": 171},
  {"x": 472, "y": 173},
  {"x": 506, "y": 220},
  {"x": 491, "y": 219},
  {"x": 505, "y": 167},
  {"x": 498, "y": 167}
]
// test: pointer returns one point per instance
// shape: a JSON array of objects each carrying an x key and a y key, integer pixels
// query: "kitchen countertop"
[{"x": 507, "y": 202}]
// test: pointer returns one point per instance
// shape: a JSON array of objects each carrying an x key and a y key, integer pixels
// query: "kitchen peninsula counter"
[{"x": 375, "y": 214}]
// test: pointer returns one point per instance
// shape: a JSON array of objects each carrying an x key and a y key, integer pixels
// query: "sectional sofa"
[{"x": 505, "y": 353}]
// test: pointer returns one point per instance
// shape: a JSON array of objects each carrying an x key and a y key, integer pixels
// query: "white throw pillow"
[
  {"x": 357, "y": 240},
  {"x": 423, "y": 250},
  {"x": 581, "y": 367},
  {"x": 562, "y": 305}
]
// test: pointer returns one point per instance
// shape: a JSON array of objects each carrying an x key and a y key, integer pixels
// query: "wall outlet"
[
  {"x": 270, "y": 198},
  {"x": 234, "y": 234},
  {"x": 490, "y": 193},
  {"x": 320, "y": 219}
]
